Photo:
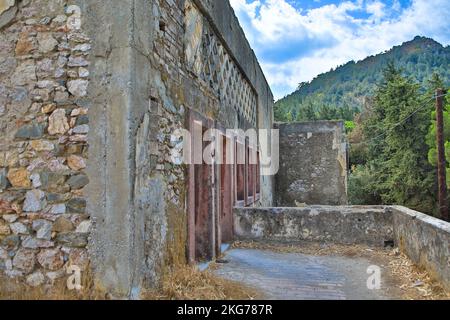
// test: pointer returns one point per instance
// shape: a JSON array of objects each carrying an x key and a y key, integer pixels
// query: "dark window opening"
[{"x": 162, "y": 26}]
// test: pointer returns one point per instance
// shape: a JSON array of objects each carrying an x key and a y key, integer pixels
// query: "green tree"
[
  {"x": 309, "y": 113},
  {"x": 435, "y": 82},
  {"x": 397, "y": 148},
  {"x": 362, "y": 187}
]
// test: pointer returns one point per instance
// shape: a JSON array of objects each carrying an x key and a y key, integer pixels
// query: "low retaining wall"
[
  {"x": 344, "y": 225},
  {"x": 424, "y": 239}
]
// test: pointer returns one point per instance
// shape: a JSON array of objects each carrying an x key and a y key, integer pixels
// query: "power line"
[{"x": 404, "y": 120}]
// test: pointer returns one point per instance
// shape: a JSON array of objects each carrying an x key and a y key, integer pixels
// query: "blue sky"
[{"x": 295, "y": 40}]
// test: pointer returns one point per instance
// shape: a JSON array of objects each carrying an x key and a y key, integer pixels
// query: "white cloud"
[
  {"x": 396, "y": 5},
  {"x": 376, "y": 9},
  {"x": 295, "y": 45}
]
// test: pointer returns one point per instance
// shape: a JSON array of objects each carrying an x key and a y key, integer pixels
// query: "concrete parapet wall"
[
  {"x": 345, "y": 225},
  {"x": 425, "y": 240}
]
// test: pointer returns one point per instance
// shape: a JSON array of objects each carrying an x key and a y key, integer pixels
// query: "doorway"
[
  {"x": 201, "y": 220},
  {"x": 226, "y": 190}
]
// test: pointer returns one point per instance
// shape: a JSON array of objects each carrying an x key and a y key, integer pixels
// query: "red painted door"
[
  {"x": 203, "y": 213},
  {"x": 200, "y": 196}
]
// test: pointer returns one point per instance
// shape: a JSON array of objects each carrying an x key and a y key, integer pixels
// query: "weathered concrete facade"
[
  {"x": 92, "y": 95},
  {"x": 313, "y": 164},
  {"x": 424, "y": 239}
]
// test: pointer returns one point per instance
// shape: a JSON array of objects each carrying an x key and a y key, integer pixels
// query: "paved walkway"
[{"x": 295, "y": 276}]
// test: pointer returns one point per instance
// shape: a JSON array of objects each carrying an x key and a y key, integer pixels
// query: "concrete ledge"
[
  {"x": 343, "y": 225},
  {"x": 425, "y": 240}
]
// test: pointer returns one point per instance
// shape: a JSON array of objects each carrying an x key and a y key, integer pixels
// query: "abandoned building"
[
  {"x": 115, "y": 82},
  {"x": 91, "y": 96}
]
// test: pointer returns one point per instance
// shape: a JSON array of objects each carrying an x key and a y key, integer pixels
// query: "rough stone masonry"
[
  {"x": 313, "y": 164},
  {"x": 91, "y": 94},
  {"x": 44, "y": 76}
]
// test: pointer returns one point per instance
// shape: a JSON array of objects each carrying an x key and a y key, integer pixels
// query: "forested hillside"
[{"x": 341, "y": 93}]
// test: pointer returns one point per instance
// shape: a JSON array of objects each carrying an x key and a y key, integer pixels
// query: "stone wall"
[
  {"x": 44, "y": 75},
  {"x": 313, "y": 164},
  {"x": 129, "y": 73},
  {"x": 343, "y": 225}
]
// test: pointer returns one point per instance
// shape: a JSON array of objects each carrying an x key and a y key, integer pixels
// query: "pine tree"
[{"x": 398, "y": 157}]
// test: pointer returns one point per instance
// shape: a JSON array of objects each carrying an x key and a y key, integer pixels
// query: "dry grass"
[
  {"x": 183, "y": 283},
  {"x": 13, "y": 289},
  {"x": 412, "y": 282},
  {"x": 415, "y": 283},
  {"x": 188, "y": 283}
]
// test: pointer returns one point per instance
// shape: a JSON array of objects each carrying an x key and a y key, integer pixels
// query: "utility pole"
[{"x": 442, "y": 167}]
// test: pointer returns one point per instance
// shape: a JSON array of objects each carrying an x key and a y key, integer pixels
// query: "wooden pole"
[{"x": 442, "y": 166}]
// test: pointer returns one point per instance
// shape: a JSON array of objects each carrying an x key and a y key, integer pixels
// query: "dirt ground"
[
  {"x": 402, "y": 279},
  {"x": 188, "y": 283}
]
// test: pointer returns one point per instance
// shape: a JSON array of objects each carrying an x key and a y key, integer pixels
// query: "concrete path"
[{"x": 295, "y": 276}]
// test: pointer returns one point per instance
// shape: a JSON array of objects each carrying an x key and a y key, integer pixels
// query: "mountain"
[{"x": 340, "y": 93}]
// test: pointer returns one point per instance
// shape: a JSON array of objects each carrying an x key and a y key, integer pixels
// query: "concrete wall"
[
  {"x": 344, "y": 225},
  {"x": 153, "y": 63},
  {"x": 424, "y": 239},
  {"x": 313, "y": 164}
]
